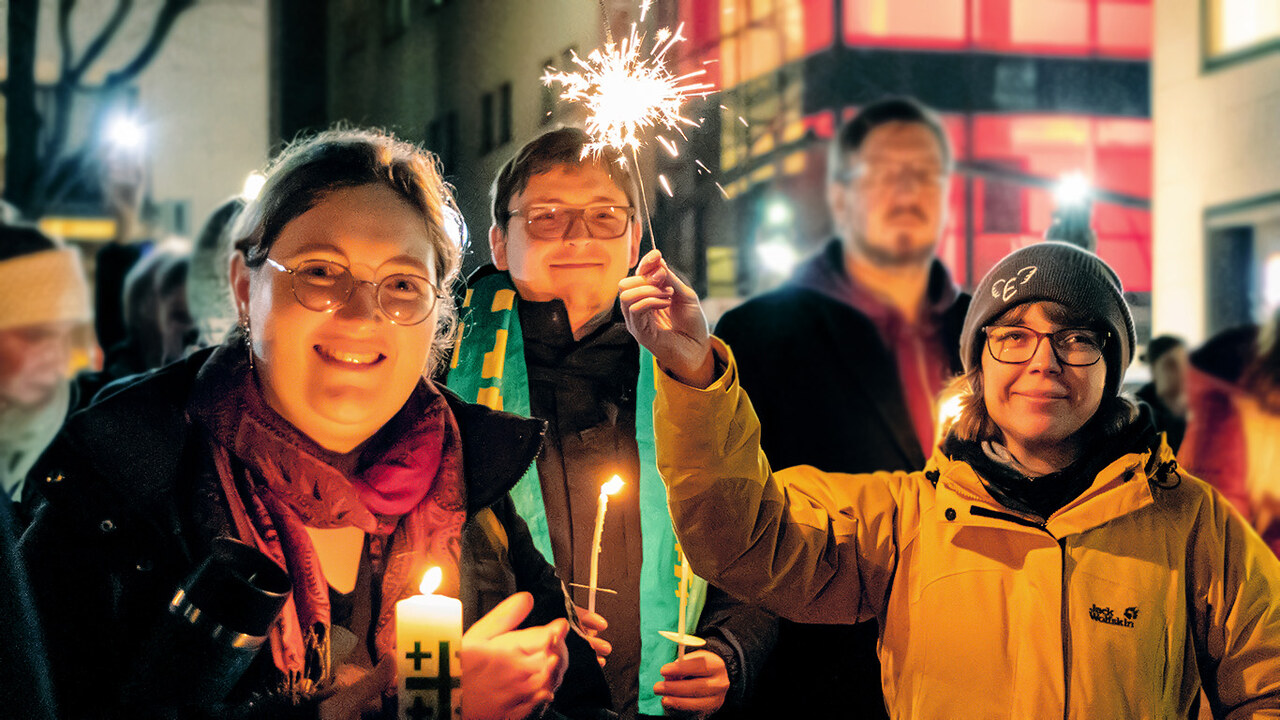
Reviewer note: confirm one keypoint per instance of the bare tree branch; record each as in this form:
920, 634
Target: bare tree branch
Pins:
165, 18
64, 33
100, 42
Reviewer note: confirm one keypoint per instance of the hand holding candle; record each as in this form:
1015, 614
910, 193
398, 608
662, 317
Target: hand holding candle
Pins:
609, 488
681, 637
428, 638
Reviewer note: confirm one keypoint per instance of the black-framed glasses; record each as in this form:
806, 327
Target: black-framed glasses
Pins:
552, 222
1015, 344
323, 286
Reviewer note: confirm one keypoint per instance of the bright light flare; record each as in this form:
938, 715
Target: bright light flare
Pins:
431, 580
627, 90
126, 133
612, 487
253, 183
1073, 190
778, 213
777, 255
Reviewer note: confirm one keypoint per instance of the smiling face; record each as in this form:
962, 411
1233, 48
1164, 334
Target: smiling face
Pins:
580, 270
1041, 405
339, 375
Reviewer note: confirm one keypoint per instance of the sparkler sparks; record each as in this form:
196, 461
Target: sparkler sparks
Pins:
627, 91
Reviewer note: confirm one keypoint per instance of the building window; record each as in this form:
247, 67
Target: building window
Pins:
1236, 29
549, 95
442, 139
488, 136
495, 118
395, 18
504, 114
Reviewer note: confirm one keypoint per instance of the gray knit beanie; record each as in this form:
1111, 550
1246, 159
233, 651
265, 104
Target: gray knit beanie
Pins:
1055, 272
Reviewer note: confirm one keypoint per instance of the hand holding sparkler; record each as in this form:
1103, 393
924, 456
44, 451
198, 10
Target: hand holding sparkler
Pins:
664, 315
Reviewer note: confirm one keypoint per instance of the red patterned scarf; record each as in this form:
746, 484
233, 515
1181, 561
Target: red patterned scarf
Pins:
407, 493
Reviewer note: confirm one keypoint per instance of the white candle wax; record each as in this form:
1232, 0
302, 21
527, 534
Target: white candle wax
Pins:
428, 637
609, 488
684, 602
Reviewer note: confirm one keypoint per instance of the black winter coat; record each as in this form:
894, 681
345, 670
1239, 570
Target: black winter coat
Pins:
827, 392
124, 525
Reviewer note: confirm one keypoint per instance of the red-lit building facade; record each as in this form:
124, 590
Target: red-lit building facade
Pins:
1030, 90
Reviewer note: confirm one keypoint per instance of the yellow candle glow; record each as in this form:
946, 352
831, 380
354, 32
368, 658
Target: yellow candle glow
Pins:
428, 637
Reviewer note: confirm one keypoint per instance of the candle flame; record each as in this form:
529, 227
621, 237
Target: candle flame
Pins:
612, 487
431, 580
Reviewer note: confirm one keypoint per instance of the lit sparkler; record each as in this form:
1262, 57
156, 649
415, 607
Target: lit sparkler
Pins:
627, 91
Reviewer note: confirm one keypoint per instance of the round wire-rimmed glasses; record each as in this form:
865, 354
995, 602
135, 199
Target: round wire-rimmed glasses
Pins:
323, 286
1016, 344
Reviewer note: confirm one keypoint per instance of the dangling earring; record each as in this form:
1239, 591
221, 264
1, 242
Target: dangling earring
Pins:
248, 338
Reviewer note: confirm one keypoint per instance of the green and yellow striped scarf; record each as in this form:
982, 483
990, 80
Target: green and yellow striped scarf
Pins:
488, 368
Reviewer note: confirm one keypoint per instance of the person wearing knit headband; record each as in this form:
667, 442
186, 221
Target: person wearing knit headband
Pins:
43, 298
1052, 559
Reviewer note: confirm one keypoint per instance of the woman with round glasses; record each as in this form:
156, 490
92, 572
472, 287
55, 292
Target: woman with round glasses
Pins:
311, 435
1051, 561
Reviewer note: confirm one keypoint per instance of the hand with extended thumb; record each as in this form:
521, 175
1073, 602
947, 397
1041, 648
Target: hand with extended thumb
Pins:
509, 674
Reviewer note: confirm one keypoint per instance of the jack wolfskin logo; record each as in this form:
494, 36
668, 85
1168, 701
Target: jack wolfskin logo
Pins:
1107, 616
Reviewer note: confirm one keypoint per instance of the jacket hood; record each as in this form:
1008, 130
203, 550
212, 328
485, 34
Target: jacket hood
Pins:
824, 273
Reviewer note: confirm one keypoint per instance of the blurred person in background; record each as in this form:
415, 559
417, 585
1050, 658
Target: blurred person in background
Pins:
43, 300
208, 284
311, 435
1233, 430
1167, 392
865, 333
157, 322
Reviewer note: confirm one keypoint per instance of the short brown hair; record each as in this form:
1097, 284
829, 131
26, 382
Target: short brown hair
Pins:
565, 146
882, 112
309, 169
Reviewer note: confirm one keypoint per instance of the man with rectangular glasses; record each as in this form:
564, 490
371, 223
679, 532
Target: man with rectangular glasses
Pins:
542, 335
844, 363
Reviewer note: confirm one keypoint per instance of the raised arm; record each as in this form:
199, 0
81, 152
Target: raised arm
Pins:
808, 545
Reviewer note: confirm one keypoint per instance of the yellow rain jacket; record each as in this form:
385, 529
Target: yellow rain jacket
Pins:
1117, 606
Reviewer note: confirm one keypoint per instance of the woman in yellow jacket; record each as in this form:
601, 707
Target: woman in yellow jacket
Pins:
1050, 561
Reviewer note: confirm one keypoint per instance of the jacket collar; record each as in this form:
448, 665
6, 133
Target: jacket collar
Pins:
1121, 488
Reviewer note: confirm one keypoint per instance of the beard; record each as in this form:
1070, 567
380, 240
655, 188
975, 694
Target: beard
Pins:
902, 252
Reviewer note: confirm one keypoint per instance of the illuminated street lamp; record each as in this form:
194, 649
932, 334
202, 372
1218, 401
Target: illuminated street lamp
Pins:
777, 256
1073, 213
124, 132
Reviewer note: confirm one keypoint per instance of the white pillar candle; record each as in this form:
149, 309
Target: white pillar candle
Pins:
428, 637
609, 488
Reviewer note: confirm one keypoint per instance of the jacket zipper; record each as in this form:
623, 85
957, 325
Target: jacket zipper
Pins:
1066, 636
1062, 616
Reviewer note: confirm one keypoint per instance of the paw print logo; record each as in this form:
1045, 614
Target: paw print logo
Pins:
1131, 613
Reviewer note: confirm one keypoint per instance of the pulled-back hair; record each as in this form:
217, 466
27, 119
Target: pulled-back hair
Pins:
309, 169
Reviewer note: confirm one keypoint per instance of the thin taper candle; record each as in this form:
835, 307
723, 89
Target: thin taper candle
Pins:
684, 602
609, 488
